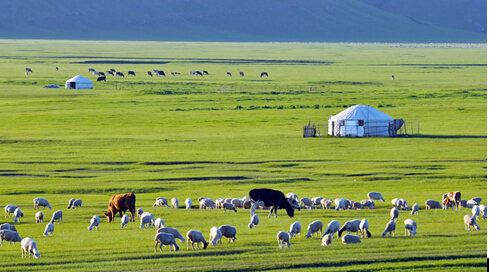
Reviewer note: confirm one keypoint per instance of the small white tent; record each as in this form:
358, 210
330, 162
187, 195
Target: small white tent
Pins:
362, 121
79, 82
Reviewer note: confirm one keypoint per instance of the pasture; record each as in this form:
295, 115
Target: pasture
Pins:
219, 136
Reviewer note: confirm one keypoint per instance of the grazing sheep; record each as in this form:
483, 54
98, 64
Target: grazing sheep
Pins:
476, 211
327, 240
73, 203
39, 217
390, 228
166, 239
29, 246
333, 226
314, 227
94, 223
70, 202
364, 228
295, 228
57, 215
174, 203
159, 223
397, 203
254, 221
237, 203
483, 210
477, 200
49, 229
17, 215
7, 226
357, 205
350, 226
219, 203
282, 238
470, 223
228, 232
196, 236
188, 203
370, 204
471, 203
307, 203
228, 206
375, 196
395, 214
140, 212
433, 204
410, 227
415, 209
161, 202
147, 219
207, 203
39, 201
10, 236
173, 232
215, 236
316, 201
256, 204
124, 220
293, 197
247, 204
10, 209
326, 203
349, 204
228, 200
350, 239
340, 204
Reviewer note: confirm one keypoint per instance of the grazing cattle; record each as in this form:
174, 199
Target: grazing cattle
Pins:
131, 73
110, 73
95, 73
263, 74
120, 203
119, 74
193, 72
150, 74
57, 68
229, 74
198, 73
91, 70
272, 198
205, 72
160, 73
101, 73
101, 78
452, 198
112, 70
241, 73
392, 77
172, 74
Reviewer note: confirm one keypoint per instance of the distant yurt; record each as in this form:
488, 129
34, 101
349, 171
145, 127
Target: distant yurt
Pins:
79, 82
363, 121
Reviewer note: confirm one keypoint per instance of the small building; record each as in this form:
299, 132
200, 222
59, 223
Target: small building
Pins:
363, 121
79, 82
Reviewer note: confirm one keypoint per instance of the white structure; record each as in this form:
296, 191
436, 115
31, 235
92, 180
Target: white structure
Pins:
79, 82
363, 121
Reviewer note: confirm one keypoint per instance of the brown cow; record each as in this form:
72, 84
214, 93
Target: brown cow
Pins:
452, 198
121, 203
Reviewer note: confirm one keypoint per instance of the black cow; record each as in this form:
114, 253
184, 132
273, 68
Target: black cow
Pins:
198, 73
119, 74
102, 78
101, 73
263, 74
160, 73
150, 74
229, 74
205, 72
131, 73
112, 70
110, 73
241, 73
91, 70
274, 199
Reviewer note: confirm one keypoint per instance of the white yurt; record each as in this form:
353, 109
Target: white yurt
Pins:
363, 121
79, 82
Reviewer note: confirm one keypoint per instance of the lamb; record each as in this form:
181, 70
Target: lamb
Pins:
159, 223
10, 236
49, 229
433, 204
340, 204
470, 223
316, 201
74, 203
314, 227
17, 215
282, 238
196, 236
39, 217
483, 210
166, 239
327, 240
7, 226
370, 204
124, 220
326, 203
254, 221
307, 203
147, 219
160, 202
390, 228
476, 211
215, 236
57, 215
188, 203
174, 203
173, 232
375, 196
228, 206
333, 226
364, 228
295, 228
415, 209
350, 239
10, 209
94, 223
39, 201
228, 232
29, 246
350, 226
394, 214
410, 227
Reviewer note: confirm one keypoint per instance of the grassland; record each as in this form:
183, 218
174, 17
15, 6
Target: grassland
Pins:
219, 136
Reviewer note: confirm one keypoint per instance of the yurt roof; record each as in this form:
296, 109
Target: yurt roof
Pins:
80, 79
361, 112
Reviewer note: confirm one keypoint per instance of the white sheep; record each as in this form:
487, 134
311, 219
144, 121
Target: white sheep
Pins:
247, 204
349, 204
219, 203
10, 236
166, 239
237, 203
477, 200
7, 226
394, 214
159, 223
415, 209
94, 223
228, 232
70, 202
476, 211
357, 205
174, 203
314, 227
333, 226
326, 203
283, 238
76, 203
10, 209
228, 206
57, 215
207, 203
215, 236
316, 201
255, 205
124, 220
350, 226
49, 229
228, 200
340, 204
17, 215
173, 232
364, 228
139, 212
39, 201
147, 219
390, 228
404, 204
195, 236
254, 221
39, 217
160, 202
410, 227
350, 239
397, 203
483, 210
29, 246
327, 240
433, 204
471, 203
293, 197
295, 228
370, 204
188, 203
470, 223
307, 203
375, 196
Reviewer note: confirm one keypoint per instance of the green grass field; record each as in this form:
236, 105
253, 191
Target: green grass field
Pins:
219, 136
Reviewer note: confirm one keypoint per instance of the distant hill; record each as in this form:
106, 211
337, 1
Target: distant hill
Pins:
436, 21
